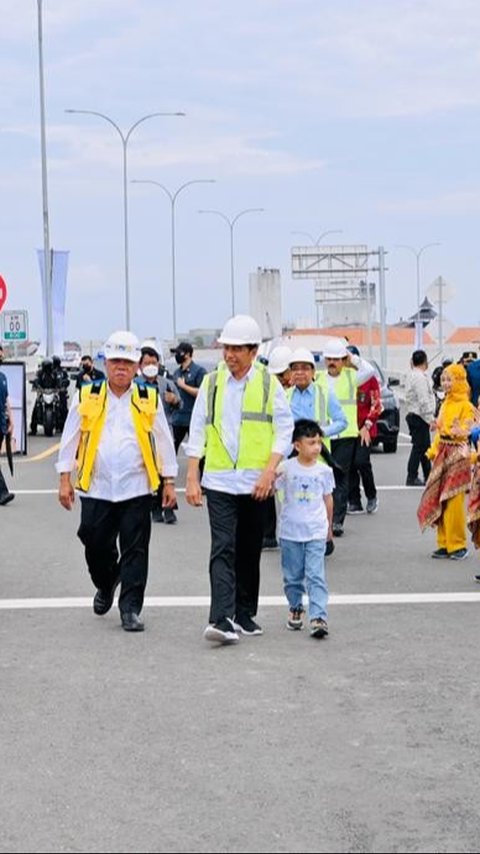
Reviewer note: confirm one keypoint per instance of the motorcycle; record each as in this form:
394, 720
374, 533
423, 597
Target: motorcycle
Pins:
46, 411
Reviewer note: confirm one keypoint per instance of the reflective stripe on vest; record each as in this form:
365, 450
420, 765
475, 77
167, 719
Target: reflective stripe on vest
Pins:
256, 426
92, 409
345, 386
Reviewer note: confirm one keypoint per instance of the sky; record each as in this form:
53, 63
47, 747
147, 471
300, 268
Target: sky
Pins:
353, 115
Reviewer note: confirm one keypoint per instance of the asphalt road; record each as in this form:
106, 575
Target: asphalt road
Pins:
158, 742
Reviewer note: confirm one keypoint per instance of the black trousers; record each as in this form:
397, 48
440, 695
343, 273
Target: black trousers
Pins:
102, 524
236, 527
343, 451
361, 470
270, 519
420, 433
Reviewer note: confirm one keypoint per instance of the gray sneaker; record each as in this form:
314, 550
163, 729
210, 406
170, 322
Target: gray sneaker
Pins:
372, 505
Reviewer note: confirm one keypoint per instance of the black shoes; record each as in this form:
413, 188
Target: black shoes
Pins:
246, 626
354, 508
157, 514
169, 516
329, 548
414, 481
103, 599
222, 632
337, 529
131, 622
6, 498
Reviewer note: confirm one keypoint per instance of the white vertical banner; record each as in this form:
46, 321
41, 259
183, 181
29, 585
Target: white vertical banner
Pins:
59, 291
418, 335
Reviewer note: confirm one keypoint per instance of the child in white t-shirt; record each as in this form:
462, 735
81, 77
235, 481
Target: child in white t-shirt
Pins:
305, 489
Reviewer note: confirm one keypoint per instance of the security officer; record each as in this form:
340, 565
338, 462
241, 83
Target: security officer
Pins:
241, 419
62, 382
117, 432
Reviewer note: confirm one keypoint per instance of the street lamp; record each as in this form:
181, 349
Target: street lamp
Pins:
124, 138
231, 224
47, 265
320, 237
173, 199
417, 253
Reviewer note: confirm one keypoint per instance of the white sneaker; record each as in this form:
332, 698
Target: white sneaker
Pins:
222, 632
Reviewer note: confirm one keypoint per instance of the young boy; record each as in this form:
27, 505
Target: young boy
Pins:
305, 489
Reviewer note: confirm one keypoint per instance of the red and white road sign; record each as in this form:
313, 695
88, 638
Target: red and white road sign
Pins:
3, 292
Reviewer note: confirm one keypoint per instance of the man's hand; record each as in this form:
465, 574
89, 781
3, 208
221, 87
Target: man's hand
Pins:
193, 491
170, 398
66, 492
365, 438
264, 485
169, 497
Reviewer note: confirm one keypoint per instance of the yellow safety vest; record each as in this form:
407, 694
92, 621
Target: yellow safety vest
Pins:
256, 426
345, 387
320, 405
92, 409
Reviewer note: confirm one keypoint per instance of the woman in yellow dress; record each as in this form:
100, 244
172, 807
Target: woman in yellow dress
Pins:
443, 501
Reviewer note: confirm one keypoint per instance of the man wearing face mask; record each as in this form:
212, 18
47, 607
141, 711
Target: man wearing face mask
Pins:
151, 372
188, 379
88, 374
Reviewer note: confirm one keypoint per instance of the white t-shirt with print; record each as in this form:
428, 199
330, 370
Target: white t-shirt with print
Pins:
301, 490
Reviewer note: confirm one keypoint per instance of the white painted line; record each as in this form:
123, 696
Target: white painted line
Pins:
405, 435
265, 601
181, 489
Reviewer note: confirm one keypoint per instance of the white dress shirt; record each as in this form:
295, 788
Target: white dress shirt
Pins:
119, 472
237, 481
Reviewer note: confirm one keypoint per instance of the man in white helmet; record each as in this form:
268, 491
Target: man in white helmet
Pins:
242, 422
346, 372
117, 437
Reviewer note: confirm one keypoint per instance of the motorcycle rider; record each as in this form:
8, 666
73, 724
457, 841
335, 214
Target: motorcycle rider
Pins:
45, 378
62, 383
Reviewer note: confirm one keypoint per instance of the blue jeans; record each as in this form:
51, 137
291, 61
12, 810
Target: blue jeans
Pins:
303, 565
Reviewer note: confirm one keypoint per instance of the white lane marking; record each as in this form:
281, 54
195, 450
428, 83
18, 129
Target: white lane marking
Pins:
181, 489
405, 435
265, 601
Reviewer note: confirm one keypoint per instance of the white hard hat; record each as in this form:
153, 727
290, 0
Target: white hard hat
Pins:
241, 329
301, 354
335, 348
153, 344
122, 345
279, 360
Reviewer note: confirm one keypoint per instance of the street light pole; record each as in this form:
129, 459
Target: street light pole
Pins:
173, 198
124, 137
47, 265
320, 237
231, 224
417, 253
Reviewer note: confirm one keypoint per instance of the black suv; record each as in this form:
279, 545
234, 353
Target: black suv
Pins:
388, 424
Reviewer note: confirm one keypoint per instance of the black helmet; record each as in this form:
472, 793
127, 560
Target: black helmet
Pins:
47, 363
56, 361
